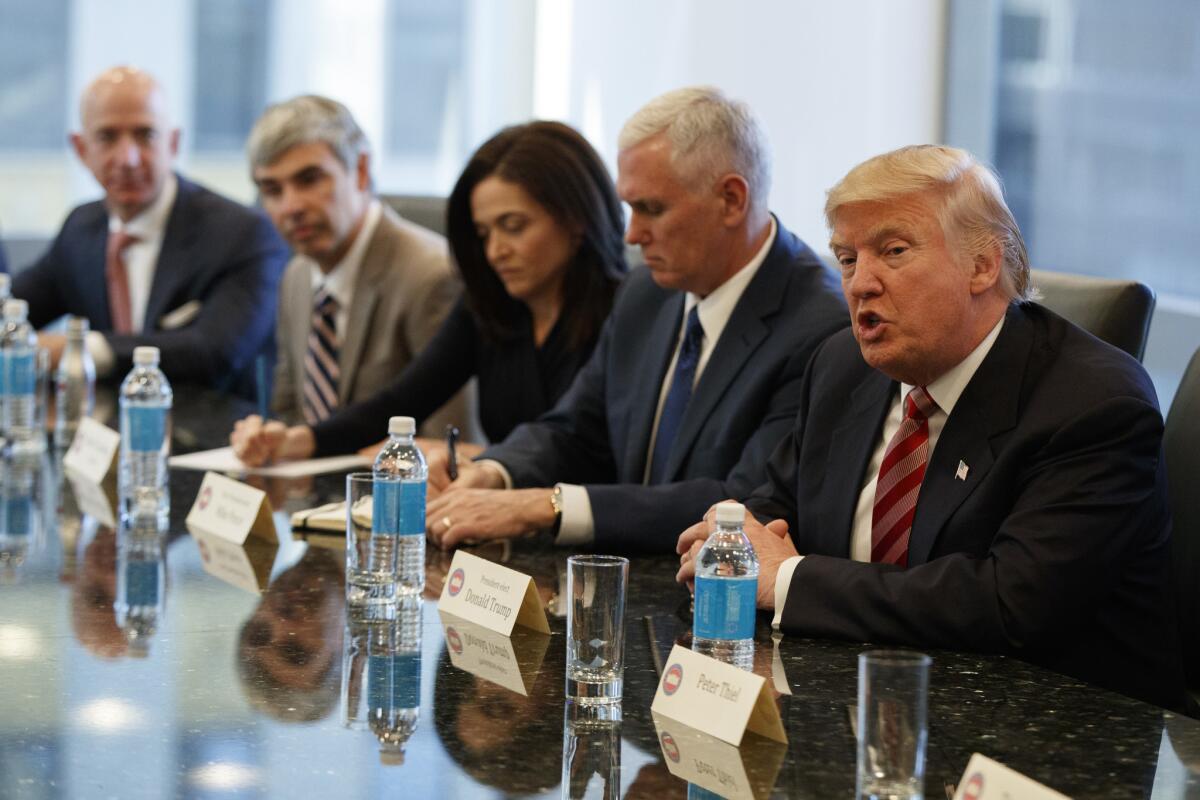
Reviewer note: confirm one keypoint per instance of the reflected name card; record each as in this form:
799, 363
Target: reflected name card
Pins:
509, 661
985, 779
716, 698
93, 451
231, 510
97, 500
490, 595
246, 566
747, 772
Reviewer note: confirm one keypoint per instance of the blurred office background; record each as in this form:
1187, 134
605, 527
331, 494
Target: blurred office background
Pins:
1088, 108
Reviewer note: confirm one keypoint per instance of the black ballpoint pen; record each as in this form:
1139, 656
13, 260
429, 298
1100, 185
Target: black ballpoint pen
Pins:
452, 452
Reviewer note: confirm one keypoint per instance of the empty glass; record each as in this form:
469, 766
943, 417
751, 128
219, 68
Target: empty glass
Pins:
596, 628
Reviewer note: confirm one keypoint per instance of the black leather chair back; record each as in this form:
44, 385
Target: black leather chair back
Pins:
1116, 311
1182, 444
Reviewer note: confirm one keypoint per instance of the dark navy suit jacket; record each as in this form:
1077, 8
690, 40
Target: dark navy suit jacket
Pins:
1053, 547
222, 255
743, 404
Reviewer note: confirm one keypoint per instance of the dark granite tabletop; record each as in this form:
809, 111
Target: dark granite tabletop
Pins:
243, 685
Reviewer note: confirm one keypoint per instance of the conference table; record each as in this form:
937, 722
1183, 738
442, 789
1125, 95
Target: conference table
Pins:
250, 679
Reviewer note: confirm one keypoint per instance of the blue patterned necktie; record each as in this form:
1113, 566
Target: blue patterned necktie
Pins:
678, 395
321, 360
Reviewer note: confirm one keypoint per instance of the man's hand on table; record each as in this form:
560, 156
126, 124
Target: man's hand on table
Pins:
771, 543
472, 515
470, 474
257, 442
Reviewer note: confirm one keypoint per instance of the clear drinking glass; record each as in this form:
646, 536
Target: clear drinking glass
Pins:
596, 628
893, 688
371, 579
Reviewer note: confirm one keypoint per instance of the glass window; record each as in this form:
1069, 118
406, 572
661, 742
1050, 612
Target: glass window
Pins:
33, 74
1098, 106
424, 74
231, 71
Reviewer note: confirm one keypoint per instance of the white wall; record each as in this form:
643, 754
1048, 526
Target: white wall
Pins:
833, 82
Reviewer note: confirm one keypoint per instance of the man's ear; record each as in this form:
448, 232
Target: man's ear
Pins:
986, 267
734, 192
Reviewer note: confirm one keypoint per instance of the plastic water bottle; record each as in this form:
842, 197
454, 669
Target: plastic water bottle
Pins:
5, 295
400, 475
145, 436
394, 680
74, 383
18, 349
726, 590
140, 578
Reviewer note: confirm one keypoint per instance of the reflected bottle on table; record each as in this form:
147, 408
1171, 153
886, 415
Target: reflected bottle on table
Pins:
381, 670
726, 591
141, 576
20, 523
5, 296
145, 436
74, 383
400, 476
18, 353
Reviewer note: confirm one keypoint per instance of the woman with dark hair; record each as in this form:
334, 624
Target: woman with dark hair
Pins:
535, 227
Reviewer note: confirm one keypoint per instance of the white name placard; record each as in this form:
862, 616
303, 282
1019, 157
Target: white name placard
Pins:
716, 698
509, 661
98, 500
490, 595
231, 510
747, 772
985, 779
246, 566
93, 451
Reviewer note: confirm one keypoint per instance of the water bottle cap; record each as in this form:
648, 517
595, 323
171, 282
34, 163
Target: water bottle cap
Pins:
730, 513
77, 325
403, 426
145, 356
16, 309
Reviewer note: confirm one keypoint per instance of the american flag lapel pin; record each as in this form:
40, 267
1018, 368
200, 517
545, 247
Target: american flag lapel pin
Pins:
961, 473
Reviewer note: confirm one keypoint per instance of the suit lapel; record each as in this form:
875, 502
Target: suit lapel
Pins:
92, 279
174, 260
743, 333
377, 260
660, 342
989, 406
850, 450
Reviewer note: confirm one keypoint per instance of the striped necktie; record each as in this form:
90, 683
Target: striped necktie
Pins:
321, 360
899, 482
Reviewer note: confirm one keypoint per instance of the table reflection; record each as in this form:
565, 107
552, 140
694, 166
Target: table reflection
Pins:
289, 649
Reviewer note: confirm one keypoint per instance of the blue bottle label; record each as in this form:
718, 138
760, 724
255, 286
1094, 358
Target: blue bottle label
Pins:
412, 508
147, 428
394, 681
20, 377
141, 583
385, 507
406, 680
18, 515
725, 607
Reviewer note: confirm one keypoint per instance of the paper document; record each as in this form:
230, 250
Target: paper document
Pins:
223, 460
332, 516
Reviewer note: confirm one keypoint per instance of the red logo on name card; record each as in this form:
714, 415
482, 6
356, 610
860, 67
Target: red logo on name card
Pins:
456, 582
205, 498
454, 640
974, 788
672, 679
669, 747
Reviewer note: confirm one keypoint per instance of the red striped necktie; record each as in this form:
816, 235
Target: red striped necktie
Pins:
899, 482
117, 278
